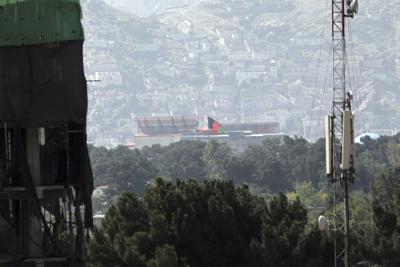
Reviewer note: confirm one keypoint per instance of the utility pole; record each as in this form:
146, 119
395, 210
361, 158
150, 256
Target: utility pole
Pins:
339, 133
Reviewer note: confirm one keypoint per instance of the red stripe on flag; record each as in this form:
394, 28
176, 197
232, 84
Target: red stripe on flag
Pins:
216, 127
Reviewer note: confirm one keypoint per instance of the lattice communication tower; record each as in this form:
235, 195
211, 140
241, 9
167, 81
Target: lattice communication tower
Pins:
339, 132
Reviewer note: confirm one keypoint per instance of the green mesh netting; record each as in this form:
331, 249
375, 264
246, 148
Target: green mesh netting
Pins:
27, 22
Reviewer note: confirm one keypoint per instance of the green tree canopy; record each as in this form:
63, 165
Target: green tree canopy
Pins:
209, 224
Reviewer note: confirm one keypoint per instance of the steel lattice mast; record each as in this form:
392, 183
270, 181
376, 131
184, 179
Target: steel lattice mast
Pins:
339, 132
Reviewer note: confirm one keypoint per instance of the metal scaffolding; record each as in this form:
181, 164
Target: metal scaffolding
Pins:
41, 222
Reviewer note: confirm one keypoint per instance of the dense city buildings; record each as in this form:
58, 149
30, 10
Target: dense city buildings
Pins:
237, 61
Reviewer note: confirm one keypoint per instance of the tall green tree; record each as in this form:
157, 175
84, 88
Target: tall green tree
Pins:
385, 244
181, 160
216, 156
125, 169
210, 224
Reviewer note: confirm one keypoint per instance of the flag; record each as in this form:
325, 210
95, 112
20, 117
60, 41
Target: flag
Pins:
215, 126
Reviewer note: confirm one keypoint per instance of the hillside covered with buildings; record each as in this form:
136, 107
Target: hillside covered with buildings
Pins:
238, 61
